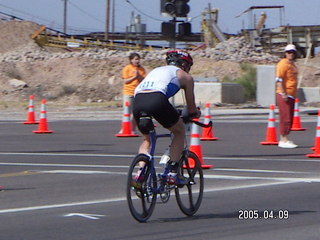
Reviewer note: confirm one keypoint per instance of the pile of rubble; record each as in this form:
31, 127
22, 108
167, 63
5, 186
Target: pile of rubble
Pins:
234, 49
237, 49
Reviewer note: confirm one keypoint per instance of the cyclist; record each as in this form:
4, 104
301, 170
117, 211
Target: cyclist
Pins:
152, 97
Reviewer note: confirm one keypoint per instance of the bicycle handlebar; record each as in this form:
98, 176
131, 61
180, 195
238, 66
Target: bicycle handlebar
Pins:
208, 125
190, 119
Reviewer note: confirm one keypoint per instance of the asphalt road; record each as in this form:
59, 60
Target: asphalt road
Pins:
71, 185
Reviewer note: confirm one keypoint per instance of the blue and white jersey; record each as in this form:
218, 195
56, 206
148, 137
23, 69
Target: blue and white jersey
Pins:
163, 79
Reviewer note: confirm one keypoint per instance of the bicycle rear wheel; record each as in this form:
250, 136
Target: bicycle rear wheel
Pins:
141, 188
189, 196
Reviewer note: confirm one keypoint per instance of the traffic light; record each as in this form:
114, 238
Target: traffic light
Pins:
184, 29
168, 29
175, 8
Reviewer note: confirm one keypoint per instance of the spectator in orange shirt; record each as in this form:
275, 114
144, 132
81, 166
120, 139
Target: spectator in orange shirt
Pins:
286, 89
132, 74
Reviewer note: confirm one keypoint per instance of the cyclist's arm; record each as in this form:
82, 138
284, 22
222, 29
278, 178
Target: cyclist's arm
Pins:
187, 84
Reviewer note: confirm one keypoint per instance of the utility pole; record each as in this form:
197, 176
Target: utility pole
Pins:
106, 35
65, 17
113, 15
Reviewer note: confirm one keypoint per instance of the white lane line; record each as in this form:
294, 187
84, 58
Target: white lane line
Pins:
132, 156
286, 179
262, 159
126, 167
67, 154
253, 170
24, 209
81, 172
85, 215
206, 176
110, 200
63, 165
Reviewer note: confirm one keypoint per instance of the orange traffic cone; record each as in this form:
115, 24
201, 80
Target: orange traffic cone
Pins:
271, 135
31, 119
316, 153
207, 133
43, 125
126, 124
196, 147
296, 124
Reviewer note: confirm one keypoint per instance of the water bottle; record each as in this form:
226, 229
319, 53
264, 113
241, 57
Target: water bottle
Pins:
164, 158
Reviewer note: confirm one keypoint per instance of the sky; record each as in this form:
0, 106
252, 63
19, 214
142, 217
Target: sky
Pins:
85, 16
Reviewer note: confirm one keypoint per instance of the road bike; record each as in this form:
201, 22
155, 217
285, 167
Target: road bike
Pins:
144, 184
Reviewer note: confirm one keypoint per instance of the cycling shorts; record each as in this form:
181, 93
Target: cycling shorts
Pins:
157, 105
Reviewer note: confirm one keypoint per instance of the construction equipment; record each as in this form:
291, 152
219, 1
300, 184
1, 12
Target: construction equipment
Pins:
211, 32
50, 38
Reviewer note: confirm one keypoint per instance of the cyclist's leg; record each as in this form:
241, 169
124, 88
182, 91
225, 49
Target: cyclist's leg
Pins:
177, 143
139, 106
176, 149
145, 146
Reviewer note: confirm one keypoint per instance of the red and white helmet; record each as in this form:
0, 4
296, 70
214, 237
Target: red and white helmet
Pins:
177, 57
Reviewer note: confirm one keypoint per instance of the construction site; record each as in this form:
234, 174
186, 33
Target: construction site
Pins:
39, 60
306, 38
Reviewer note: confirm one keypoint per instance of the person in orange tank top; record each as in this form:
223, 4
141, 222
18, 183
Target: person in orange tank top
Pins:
132, 74
286, 91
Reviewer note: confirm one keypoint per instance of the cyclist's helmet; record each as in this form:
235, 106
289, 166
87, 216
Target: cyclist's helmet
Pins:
179, 58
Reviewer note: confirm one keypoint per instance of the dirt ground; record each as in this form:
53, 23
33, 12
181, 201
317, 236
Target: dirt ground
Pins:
82, 80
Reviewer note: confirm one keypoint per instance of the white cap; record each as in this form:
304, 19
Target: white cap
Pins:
290, 47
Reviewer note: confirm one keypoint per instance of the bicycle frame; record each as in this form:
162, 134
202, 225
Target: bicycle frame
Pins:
153, 139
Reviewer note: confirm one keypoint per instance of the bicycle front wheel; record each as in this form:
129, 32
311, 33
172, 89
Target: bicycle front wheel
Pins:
189, 195
141, 188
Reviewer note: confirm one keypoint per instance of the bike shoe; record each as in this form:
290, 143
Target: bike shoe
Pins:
175, 179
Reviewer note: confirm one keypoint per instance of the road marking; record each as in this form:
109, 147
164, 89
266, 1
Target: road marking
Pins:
206, 176
253, 170
31, 172
82, 172
85, 215
24, 173
63, 165
286, 179
24, 209
110, 200
67, 154
132, 156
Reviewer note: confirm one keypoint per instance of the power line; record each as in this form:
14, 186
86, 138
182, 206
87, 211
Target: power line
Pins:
51, 23
84, 12
25, 13
128, 1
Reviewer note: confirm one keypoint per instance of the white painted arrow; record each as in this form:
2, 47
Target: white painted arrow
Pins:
85, 215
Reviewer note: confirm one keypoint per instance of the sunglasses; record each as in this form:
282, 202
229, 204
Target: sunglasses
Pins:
291, 52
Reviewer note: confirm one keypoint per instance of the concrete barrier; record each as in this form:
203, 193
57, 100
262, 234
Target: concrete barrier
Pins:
213, 92
309, 94
266, 85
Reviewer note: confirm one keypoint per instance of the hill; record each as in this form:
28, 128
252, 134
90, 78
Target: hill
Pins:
95, 75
